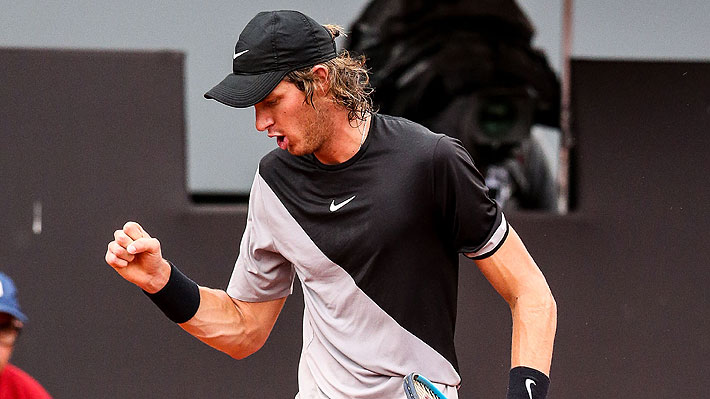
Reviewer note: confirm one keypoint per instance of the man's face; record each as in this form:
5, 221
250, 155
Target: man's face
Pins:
296, 125
9, 328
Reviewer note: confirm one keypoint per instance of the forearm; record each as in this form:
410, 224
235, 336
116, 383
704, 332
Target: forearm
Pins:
221, 324
231, 326
534, 326
235, 327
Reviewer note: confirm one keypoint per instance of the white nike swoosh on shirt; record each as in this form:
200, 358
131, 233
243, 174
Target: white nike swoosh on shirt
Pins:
239, 53
528, 384
334, 207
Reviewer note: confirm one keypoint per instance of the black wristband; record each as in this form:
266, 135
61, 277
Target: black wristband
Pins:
527, 383
179, 299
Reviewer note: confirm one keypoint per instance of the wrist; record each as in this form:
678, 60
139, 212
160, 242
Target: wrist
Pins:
179, 299
160, 279
527, 383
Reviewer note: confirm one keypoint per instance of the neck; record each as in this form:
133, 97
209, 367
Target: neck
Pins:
345, 141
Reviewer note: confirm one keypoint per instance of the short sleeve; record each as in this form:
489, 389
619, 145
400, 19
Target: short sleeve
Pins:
473, 221
260, 273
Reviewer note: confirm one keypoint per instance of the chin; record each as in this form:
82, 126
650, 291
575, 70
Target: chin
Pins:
299, 150
295, 151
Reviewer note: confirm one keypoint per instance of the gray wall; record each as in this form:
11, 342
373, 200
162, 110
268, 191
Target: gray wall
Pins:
628, 268
223, 147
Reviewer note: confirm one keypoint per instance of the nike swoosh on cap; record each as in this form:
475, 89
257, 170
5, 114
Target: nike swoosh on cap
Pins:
239, 53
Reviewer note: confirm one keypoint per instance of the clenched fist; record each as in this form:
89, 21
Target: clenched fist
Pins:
136, 256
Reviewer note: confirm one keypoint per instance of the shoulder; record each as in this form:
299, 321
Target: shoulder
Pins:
404, 133
449, 148
21, 384
397, 123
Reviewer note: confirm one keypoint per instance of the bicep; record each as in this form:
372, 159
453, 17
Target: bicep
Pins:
511, 270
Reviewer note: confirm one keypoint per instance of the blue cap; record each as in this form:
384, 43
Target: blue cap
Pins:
8, 298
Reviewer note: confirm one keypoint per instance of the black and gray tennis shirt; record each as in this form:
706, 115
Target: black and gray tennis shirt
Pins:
375, 243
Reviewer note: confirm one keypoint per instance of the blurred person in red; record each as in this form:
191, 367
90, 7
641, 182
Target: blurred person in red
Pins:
14, 383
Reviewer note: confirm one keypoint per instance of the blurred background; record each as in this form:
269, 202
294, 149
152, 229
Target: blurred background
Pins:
102, 120
223, 147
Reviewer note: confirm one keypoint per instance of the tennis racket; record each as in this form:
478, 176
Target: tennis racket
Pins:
418, 387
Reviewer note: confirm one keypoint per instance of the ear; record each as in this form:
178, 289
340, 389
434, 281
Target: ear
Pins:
321, 74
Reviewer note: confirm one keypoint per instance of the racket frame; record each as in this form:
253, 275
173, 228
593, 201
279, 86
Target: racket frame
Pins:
410, 390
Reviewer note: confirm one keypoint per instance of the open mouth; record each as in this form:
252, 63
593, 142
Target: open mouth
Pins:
282, 142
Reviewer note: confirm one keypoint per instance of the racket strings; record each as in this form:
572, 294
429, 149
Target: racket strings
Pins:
423, 391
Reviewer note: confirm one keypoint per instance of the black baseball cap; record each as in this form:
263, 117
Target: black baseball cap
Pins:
272, 44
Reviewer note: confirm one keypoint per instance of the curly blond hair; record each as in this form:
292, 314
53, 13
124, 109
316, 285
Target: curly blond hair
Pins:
349, 82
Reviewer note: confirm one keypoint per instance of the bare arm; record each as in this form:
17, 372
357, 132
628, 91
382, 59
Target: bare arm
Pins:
235, 327
232, 326
515, 276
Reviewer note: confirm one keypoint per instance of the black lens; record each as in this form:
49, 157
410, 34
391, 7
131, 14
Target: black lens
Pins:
497, 117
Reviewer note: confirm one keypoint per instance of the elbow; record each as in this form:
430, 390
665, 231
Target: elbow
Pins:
243, 352
539, 302
551, 306
240, 354
249, 343
546, 302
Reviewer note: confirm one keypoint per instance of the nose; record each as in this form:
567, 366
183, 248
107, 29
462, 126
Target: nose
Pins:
263, 118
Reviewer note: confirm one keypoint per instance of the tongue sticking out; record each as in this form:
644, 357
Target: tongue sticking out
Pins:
282, 142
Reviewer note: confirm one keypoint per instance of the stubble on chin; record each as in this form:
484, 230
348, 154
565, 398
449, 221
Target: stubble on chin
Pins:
317, 129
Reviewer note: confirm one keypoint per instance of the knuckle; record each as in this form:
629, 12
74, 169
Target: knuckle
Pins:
113, 247
119, 236
110, 258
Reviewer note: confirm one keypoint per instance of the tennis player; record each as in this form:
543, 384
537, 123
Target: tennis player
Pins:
370, 213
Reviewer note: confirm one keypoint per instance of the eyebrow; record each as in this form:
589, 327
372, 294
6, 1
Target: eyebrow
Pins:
272, 97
